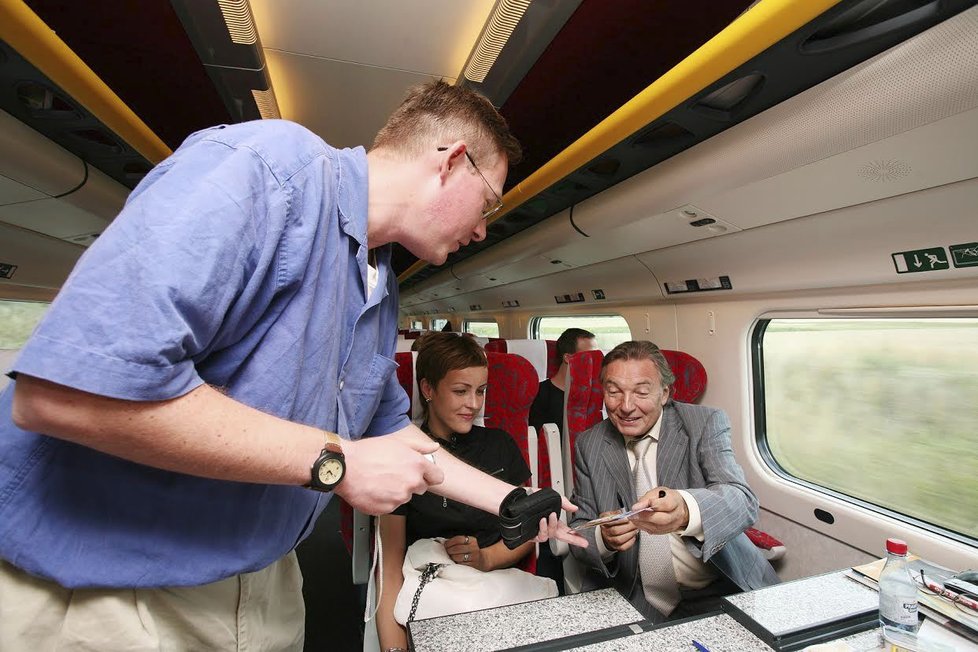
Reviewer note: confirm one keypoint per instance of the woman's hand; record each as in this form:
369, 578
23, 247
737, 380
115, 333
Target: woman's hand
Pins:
464, 549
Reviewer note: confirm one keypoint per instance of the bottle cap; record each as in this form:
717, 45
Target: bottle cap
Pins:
896, 546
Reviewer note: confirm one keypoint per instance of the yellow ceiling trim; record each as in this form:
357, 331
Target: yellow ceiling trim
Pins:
24, 31
753, 32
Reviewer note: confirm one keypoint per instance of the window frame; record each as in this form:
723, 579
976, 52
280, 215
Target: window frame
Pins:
466, 322
759, 420
533, 324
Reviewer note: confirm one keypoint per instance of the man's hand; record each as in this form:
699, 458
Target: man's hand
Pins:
618, 535
669, 512
383, 473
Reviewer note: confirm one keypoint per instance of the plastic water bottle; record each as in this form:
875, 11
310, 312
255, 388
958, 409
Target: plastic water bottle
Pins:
898, 593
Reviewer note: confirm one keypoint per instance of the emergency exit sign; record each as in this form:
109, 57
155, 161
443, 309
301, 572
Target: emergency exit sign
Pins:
920, 260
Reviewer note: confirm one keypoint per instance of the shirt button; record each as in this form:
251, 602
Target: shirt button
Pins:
341, 385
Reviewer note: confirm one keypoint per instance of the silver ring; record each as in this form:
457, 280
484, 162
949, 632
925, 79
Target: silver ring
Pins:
466, 542
430, 457
465, 557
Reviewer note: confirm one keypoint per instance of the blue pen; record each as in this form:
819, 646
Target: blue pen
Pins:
699, 646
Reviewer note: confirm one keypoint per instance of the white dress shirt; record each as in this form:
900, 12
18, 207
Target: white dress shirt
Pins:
691, 573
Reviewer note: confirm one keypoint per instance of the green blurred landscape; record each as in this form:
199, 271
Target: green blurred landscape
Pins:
19, 319
882, 410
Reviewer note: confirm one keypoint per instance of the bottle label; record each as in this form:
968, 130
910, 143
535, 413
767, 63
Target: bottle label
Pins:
899, 609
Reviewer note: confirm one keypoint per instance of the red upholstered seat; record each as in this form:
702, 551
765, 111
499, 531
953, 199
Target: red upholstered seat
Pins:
690, 375
495, 346
513, 385
770, 547
584, 398
553, 363
405, 373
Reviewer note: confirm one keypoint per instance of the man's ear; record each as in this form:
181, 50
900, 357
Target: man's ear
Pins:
452, 156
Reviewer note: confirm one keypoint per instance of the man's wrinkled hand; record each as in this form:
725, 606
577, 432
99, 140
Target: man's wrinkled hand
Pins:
618, 535
669, 514
383, 473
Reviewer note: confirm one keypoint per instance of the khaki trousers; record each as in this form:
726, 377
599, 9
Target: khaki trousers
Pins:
261, 611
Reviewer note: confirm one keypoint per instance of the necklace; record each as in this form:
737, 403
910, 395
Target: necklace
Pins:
448, 442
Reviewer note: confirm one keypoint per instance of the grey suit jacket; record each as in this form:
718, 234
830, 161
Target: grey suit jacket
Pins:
693, 454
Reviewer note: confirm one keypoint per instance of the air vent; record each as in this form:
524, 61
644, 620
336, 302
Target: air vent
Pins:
84, 239
724, 102
866, 20
99, 140
605, 168
43, 102
568, 187
666, 135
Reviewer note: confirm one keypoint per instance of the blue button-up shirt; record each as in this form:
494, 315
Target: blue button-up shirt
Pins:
241, 262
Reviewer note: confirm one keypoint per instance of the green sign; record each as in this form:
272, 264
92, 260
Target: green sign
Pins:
920, 260
964, 255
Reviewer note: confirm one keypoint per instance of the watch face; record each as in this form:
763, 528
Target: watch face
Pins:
330, 471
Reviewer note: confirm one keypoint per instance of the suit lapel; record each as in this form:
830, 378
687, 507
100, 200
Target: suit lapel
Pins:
672, 451
616, 462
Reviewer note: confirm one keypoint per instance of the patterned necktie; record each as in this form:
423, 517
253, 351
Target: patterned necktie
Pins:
654, 550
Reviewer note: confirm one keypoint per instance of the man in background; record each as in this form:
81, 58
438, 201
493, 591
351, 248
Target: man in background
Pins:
548, 406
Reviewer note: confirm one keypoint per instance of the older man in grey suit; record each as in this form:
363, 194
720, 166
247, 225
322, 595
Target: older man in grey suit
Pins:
678, 558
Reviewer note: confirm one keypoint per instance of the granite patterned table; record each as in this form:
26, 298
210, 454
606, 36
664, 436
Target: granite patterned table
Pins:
523, 624
719, 633
812, 609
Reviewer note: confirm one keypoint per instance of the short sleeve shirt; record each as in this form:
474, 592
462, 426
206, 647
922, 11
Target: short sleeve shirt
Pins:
240, 261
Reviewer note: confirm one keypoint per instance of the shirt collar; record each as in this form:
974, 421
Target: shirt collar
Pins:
652, 434
353, 192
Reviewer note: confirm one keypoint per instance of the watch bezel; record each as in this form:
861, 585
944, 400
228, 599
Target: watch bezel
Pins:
331, 451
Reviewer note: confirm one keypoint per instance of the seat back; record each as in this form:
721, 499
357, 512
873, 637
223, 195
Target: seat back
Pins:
583, 404
495, 346
542, 354
405, 376
513, 385
690, 383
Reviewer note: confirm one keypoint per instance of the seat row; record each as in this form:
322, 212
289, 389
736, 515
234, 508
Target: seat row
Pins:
516, 367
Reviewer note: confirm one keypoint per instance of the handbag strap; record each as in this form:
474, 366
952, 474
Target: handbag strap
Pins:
428, 574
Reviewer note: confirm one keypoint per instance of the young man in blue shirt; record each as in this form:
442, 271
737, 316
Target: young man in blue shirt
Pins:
203, 356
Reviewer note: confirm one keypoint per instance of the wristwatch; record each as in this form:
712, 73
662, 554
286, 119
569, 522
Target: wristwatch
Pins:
328, 469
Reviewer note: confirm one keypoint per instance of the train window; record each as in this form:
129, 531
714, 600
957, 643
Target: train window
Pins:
609, 330
417, 325
17, 322
879, 410
481, 328
440, 324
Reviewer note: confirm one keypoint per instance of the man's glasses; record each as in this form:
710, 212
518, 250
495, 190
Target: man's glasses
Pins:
931, 587
489, 211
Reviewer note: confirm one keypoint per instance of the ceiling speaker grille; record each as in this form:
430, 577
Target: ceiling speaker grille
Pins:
883, 171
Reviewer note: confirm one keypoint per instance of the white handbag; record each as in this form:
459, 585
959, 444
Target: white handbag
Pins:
457, 588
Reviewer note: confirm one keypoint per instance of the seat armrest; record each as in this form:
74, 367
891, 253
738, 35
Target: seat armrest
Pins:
533, 452
552, 436
361, 547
